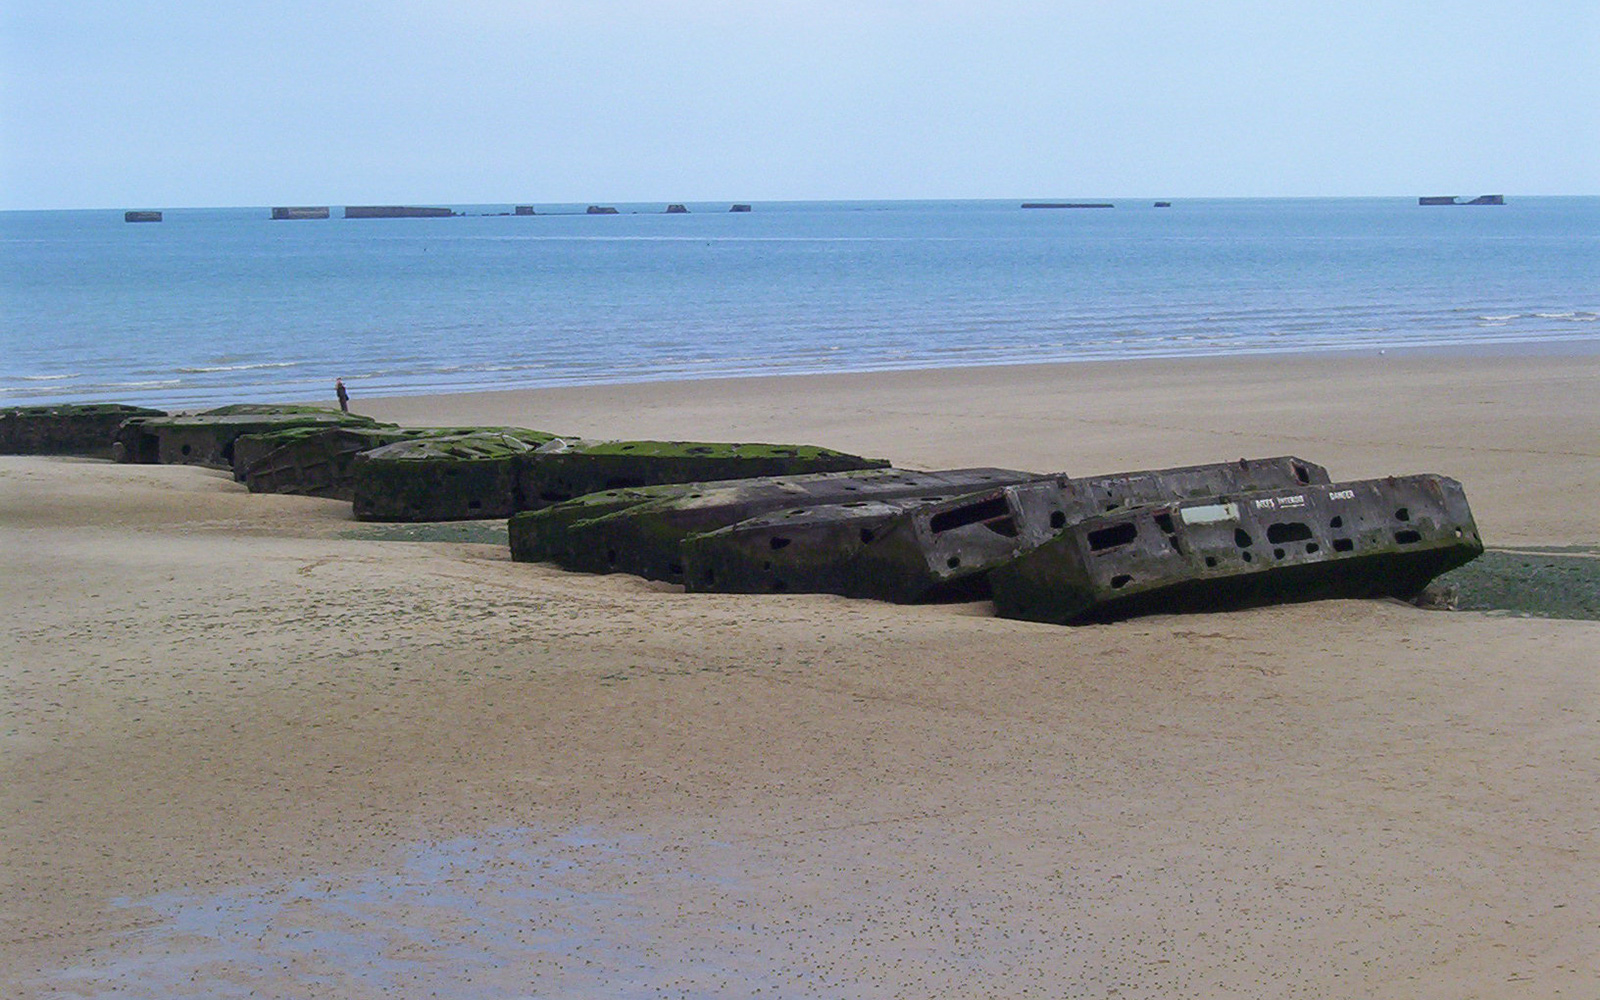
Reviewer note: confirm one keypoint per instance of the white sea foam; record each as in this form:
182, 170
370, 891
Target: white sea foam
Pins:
206, 369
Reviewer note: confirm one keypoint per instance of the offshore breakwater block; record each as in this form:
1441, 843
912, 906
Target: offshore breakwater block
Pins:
449, 478
208, 438
87, 429
645, 538
568, 468
943, 549
1372, 538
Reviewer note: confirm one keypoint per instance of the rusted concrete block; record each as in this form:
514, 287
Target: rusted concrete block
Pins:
943, 549
448, 478
644, 538
87, 429
569, 468
208, 438
1373, 538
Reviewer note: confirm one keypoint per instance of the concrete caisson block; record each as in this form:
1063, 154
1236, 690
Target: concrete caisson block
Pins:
1371, 538
87, 429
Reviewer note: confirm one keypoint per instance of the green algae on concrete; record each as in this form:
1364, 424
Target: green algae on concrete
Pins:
319, 460
536, 535
208, 438
274, 410
571, 468
308, 461
87, 429
452, 477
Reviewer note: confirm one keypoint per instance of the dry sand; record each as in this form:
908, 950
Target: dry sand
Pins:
243, 755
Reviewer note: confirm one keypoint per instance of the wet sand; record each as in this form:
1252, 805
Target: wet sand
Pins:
245, 752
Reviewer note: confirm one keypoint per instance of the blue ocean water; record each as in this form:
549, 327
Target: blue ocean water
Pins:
226, 305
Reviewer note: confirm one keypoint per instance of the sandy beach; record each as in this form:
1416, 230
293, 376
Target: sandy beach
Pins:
246, 753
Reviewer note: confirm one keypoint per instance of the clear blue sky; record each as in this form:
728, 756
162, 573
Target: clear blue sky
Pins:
240, 102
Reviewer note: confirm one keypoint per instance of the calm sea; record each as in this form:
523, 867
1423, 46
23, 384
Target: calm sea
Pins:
226, 305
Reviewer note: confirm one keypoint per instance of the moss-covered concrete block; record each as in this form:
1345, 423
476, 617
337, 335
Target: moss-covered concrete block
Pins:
537, 535
444, 478
318, 460
568, 468
308, 461
208, 438
87, 429
280, 410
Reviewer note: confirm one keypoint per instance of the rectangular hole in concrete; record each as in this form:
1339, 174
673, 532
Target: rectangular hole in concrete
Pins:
960, 517
1111, 537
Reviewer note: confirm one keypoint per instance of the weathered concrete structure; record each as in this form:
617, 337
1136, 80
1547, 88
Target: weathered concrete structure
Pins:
395, 212
300, 212
320, 461
813, 550
444, 478
87, 429
208, 438
139, 216
623, 533
1482, 199
923, 551
567, 467
309, 461
1373, 538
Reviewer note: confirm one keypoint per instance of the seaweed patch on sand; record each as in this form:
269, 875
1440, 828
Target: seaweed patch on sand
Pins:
490, 532
1536, 582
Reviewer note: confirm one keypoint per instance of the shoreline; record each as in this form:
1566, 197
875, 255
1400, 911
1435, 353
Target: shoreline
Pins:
1573, 347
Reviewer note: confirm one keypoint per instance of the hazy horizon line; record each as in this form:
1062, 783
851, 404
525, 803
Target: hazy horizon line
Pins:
442, 203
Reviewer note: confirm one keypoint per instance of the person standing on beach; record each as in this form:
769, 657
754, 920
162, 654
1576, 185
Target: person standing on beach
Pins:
343, 394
